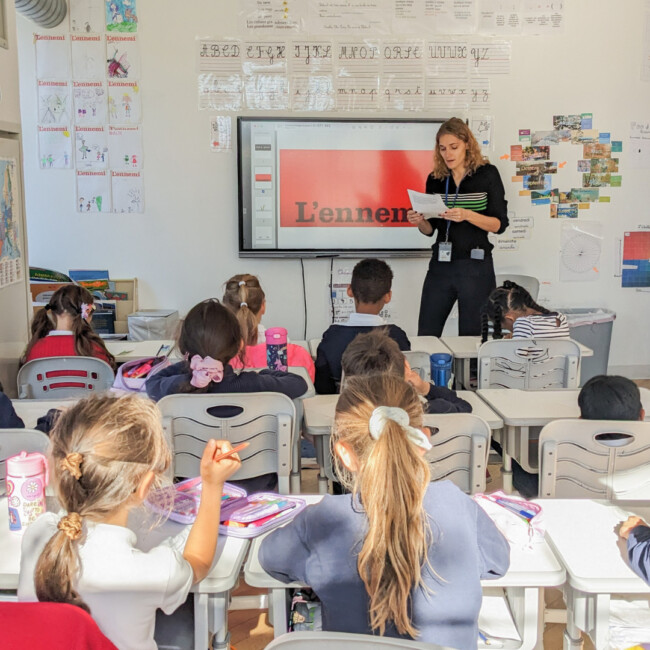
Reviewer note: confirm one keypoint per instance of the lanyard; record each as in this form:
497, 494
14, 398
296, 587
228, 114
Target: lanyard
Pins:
455, 201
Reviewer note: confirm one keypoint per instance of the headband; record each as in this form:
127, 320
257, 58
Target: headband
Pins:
205, 370
382, 414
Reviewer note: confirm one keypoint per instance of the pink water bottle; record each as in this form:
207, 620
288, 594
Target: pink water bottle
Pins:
276, 348
27, 476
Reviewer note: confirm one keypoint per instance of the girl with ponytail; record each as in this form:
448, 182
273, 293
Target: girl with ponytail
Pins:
62, 328
245, 297
398, 556
106, 453
511, 307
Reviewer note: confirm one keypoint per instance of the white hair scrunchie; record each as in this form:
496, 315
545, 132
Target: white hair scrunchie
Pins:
382, 414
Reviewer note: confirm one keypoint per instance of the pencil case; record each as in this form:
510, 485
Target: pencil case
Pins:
129, 380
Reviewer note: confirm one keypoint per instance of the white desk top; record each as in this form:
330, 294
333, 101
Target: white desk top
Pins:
536, 568
319, 412
428, 344
222, 577
466, 347
581, 532
124, 351
29, 410
539, 407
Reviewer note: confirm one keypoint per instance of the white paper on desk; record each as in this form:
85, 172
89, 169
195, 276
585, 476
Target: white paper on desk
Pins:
629, 622
430, 205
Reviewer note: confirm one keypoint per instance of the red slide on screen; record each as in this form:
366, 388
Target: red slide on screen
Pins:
349, 189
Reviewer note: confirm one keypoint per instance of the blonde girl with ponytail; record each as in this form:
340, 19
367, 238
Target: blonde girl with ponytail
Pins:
398, 556
106, 453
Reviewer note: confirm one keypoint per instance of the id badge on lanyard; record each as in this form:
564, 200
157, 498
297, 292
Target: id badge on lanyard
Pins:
444, 248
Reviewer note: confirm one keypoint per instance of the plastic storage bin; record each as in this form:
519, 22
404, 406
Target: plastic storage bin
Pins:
153, 324
592, 326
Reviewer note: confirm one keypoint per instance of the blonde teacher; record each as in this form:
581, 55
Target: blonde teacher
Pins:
461, 265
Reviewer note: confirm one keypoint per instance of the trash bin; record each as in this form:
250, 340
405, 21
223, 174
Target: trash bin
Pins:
592, 326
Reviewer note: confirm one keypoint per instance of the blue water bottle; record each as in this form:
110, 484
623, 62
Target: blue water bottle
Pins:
441, 369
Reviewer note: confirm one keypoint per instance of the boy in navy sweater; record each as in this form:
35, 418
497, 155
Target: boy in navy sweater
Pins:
8, 417
371, 289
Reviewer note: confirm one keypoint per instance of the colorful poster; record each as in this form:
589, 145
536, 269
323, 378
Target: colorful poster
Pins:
122, 56
87, 56
89, 102
124, 104
10, 238
54, 147
125, 147
86, 16
91, 147
636, 259
54, 102
52, 56
121, 16
127, 191
93, 191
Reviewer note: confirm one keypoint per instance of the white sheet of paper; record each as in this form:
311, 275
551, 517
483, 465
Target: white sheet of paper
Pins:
430, 205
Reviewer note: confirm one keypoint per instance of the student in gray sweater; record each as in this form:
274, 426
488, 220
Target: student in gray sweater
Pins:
399, 556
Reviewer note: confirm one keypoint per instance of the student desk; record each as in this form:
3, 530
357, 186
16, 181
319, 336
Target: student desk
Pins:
582, 534
124, 351
530, 572
319, 418
211, 595
29, 410
428, 344
521, 409
465, 348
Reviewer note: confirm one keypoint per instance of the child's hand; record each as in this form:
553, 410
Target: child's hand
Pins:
215, 473
413, 378
628, 525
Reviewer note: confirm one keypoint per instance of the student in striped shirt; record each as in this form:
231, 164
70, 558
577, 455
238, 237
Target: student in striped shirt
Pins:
511, 307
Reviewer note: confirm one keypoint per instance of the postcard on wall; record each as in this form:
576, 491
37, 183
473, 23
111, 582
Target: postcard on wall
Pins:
86, 16
482, 130
124, 103
122, 56
121, 16
350, 17
11, 269
127, 191
89, 102
220, 133
639, 145
500, 18
125, 147
54, 147
54, 102
93, 191
52, 56
91, 147
87, 56
267, 16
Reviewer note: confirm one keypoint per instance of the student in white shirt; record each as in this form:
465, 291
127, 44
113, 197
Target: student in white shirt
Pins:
511, 307
106, 454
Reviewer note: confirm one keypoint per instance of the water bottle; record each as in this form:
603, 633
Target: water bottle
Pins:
27, 476
441, 369
276, 348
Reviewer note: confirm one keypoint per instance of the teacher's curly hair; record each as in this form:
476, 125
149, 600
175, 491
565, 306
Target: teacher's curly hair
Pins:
474, 158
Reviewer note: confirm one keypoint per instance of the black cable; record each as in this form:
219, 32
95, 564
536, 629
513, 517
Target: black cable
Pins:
304, 295
332, 287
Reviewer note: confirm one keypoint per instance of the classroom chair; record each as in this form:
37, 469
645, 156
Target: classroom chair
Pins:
529, 364
55, 377
528, 282
420, 362
13, 441
581, 459
341, 640
265, 420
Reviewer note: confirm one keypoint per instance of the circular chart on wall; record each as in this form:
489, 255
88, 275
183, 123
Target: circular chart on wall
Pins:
580, 252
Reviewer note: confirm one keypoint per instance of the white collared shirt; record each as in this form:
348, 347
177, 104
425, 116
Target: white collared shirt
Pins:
364, 320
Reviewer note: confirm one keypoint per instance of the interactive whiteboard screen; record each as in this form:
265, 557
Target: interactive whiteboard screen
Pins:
331, 187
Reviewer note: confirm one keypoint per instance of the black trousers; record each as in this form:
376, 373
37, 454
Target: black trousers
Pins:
468, 281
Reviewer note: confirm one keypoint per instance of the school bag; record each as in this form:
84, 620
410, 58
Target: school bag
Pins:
129, 379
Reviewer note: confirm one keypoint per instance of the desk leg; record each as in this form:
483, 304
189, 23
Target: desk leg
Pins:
506, 458
599, 623
219, 620
278, 611
572, 634
201, 625
322, 449
296, 463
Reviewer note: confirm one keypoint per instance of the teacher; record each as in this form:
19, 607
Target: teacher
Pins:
461, 265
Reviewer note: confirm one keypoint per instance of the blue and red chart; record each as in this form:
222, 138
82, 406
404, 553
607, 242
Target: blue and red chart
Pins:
636, 259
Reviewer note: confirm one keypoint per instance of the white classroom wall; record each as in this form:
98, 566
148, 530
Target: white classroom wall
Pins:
185, 244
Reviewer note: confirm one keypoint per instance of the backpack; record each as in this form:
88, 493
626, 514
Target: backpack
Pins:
136, 384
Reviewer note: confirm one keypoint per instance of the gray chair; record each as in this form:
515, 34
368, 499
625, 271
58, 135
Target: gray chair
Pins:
13, 441
528, 282
342, 641
265, 420
420, 362
581, 459
55, 377
529, 364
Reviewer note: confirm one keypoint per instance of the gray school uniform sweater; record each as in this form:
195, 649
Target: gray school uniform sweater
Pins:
320, 548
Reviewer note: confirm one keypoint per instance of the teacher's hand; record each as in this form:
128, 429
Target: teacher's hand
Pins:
415, 218
455, 214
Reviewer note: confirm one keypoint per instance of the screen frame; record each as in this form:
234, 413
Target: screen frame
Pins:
320, 252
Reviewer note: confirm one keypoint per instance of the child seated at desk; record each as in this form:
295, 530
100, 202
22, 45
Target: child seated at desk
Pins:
371, 289
376, 353
62, 328
8, 417
244, 296
106, 454
400, 556
511, 307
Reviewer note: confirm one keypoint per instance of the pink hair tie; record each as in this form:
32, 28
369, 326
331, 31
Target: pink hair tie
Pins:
205, 370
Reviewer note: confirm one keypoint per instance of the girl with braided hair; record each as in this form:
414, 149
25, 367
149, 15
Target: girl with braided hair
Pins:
106, 453
511, 307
